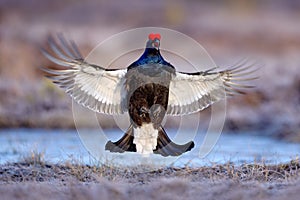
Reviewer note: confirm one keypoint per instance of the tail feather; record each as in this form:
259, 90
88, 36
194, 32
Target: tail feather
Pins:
123, 144
166, 147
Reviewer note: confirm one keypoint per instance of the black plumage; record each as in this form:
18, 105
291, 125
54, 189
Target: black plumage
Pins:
148, 89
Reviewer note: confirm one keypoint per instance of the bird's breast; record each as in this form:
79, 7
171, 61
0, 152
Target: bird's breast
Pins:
147, 94
149, 73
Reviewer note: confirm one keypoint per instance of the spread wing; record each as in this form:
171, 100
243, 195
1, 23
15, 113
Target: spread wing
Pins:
99, 89
192, 92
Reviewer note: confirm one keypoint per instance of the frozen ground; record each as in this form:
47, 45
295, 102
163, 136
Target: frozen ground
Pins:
69, 172
60, 146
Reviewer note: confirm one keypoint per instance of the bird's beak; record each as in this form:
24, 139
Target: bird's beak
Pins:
156, 43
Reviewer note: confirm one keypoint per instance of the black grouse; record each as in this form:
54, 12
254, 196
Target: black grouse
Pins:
148, 89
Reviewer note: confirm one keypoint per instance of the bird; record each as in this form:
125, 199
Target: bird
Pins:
147, 90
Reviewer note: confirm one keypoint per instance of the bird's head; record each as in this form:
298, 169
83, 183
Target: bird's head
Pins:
153, 40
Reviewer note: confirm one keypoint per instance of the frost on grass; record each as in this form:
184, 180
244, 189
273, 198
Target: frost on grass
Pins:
31, 180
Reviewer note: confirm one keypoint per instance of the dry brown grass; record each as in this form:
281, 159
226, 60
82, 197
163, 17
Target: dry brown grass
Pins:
34, 169
35, 179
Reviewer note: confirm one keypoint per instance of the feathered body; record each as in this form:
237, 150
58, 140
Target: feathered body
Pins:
147, 84
148, 89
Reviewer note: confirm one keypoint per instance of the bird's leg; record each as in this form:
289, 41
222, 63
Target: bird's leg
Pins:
157, 113
143, 111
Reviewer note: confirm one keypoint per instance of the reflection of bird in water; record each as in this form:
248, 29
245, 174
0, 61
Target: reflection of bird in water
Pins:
148, 89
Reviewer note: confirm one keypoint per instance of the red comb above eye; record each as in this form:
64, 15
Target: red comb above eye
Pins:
153, 36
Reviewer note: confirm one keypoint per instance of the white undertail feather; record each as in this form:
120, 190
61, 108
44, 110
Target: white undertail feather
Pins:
145, 138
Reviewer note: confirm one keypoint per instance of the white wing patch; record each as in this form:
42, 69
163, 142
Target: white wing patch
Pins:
192, 93
100, 90
90, 85
189, 93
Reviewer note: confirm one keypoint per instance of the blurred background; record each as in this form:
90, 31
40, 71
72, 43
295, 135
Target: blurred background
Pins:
229, 30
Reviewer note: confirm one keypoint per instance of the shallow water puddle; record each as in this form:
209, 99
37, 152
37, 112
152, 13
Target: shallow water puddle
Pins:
58, 146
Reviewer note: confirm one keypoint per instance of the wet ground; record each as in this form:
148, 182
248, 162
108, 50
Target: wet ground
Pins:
60, 146
55, 165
